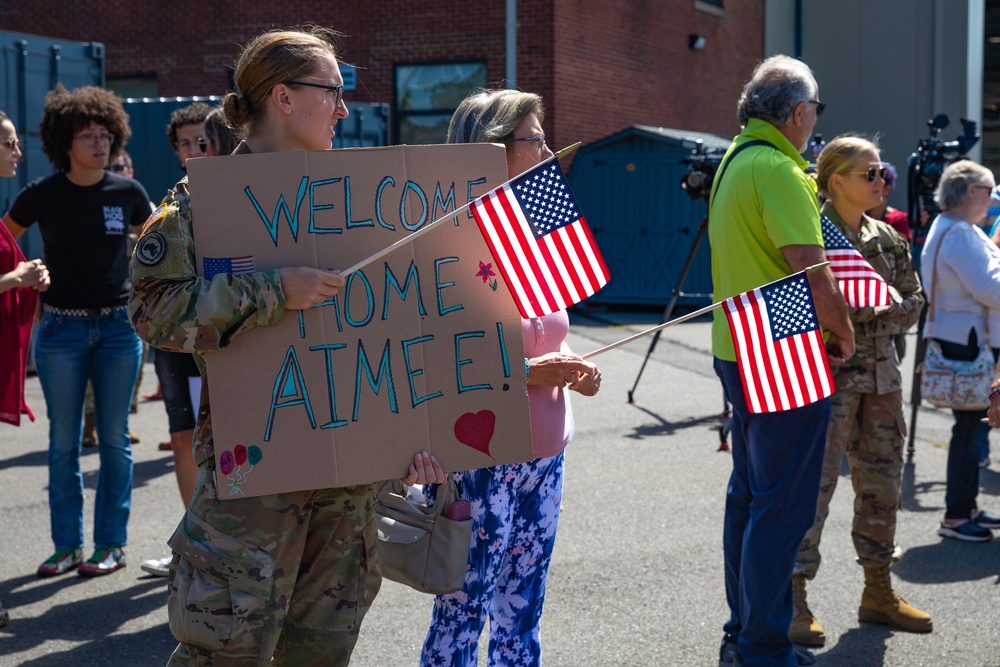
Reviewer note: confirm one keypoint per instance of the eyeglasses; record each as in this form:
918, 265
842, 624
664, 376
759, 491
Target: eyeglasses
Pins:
92, 139
872, 173
189, 145
539, 138
339, 90
117, 168
820, 106
12, 144
203, 145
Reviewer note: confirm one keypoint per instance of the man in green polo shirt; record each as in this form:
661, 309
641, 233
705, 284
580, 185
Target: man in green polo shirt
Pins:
764, 225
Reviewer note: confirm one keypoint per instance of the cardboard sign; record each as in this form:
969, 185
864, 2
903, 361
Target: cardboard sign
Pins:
420, 350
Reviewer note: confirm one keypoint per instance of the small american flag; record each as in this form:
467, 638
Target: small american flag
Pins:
779, 347
214, 265
540, 241
862, 286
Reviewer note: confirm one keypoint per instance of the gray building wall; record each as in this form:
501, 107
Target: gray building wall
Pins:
887, 66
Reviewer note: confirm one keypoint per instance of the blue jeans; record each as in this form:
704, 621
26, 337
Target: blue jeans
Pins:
770, 504
970, 441
68, 350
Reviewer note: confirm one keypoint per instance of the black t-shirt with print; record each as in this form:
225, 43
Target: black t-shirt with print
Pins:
84, 234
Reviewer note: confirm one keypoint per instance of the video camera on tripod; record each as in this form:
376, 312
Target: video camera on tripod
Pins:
702, 164
926, 164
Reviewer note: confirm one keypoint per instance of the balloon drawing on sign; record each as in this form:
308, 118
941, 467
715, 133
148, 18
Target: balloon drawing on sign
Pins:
226, 462
238, 457
476, 430
254, 455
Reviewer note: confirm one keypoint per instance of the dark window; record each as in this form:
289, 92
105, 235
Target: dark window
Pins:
134, 86
427, 95
713, 7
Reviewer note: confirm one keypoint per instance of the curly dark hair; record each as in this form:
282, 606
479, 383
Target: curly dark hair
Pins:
193, 114
66, 113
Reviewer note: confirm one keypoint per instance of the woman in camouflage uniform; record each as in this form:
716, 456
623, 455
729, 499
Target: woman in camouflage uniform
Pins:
290, 575
867, 420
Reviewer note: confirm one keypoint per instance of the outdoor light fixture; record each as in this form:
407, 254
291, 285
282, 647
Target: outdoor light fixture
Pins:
696, 42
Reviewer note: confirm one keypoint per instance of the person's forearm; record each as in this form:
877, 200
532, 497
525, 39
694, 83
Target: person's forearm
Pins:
9, 281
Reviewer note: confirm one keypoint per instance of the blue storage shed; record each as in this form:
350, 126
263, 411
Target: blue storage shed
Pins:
628, 188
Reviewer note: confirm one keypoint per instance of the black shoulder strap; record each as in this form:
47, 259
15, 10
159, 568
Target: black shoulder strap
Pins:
722, 169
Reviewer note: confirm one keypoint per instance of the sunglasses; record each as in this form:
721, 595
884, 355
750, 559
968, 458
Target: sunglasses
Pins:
820, 107
118, 167
872, 173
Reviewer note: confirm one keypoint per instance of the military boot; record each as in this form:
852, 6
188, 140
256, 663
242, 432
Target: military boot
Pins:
805, 629
881, 604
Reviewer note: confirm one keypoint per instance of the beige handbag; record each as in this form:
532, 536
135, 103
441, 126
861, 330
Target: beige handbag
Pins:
418, 545
953, 384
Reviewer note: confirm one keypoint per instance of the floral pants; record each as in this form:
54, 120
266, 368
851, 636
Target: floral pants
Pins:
515, 510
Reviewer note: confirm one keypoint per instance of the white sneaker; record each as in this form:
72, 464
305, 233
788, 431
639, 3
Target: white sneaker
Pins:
157, 567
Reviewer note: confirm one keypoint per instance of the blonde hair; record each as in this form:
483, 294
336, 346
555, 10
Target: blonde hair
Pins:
838, 156
272, 58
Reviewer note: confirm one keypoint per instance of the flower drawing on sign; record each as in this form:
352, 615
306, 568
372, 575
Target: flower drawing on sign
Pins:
486, 272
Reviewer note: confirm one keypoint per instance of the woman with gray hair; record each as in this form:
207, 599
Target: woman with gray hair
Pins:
960, 268
514, 508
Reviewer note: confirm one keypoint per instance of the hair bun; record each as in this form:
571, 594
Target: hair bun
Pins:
236, 108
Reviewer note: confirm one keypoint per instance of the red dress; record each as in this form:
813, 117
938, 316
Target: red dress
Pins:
17, 313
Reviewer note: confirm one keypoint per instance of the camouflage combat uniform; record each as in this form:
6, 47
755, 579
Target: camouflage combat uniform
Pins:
288, 575
867, 420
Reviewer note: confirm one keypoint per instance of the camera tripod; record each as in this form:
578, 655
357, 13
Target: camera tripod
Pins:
725, 426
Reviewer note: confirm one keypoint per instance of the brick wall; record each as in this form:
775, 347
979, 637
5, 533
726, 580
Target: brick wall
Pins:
601, 65
624, 63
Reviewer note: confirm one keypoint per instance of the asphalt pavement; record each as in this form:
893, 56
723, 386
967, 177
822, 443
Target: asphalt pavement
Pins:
636, 578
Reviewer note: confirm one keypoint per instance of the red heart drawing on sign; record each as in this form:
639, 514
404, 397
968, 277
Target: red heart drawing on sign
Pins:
476, 430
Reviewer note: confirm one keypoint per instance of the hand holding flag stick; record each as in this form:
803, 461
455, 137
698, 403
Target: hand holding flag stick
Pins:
426, 228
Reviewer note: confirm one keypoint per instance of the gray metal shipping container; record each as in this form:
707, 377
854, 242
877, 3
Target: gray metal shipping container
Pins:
158, 169
31, 66
628, 187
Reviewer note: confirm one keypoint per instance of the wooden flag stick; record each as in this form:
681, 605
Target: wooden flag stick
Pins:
685, 318
454, 214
